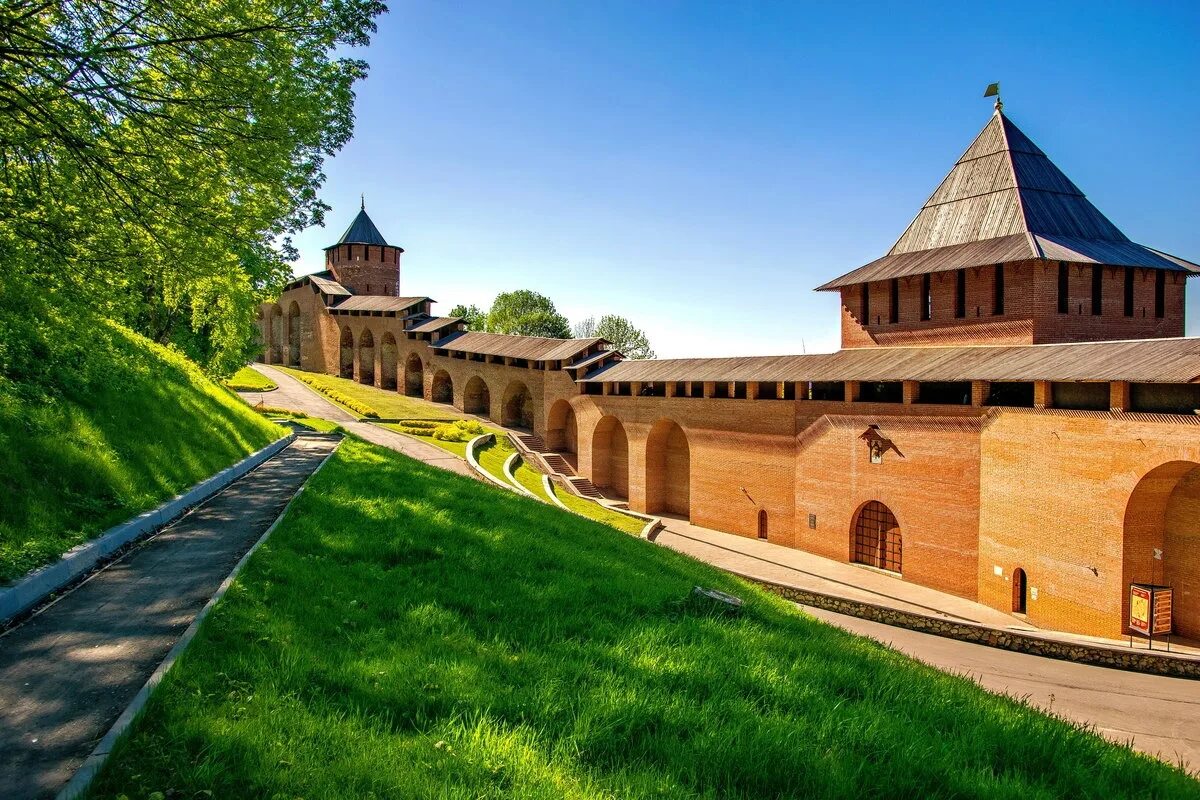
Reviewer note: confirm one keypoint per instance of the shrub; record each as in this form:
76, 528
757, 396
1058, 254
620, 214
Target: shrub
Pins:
461, 431
357, 406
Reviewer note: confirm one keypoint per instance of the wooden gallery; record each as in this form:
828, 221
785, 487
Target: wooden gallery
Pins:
1012, 418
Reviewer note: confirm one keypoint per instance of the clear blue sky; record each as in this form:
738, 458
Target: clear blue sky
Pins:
699, 168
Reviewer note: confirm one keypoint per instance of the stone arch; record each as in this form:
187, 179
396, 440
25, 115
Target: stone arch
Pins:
763, 523
414, 376
346, 354
562, 431
1020, 590
276, 334
476, 397
366, 357
517, 409
610, 456
387, 362
443, 387
668, 469
293, 334
875, 537
1161, 514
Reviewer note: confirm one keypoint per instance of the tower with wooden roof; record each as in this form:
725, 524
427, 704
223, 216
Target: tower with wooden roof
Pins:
1008, 250
363, 261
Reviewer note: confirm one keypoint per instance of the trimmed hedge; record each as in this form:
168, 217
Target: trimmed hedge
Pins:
357, 406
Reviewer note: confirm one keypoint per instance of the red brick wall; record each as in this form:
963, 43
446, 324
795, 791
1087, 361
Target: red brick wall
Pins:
366, 269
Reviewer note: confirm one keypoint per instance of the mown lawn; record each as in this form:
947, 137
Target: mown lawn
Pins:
457, 448
622, 522
411, 633
389, 405
250, 380
120, 425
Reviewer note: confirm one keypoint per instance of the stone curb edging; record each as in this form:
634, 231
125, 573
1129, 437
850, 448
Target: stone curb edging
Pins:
652, 523
1016, 641
509, 470
35, 587
548, 488
473, 462
82, 779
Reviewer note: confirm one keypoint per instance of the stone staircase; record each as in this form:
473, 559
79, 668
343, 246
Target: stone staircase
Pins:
583, 486
556, 465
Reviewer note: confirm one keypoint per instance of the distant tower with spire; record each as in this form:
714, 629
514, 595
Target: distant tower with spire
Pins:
362, 260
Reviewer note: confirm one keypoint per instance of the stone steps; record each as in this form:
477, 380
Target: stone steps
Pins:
586, 488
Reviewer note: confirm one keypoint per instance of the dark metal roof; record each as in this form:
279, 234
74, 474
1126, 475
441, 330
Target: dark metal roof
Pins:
372, 302
1137, 361
329, 287
534, 348
361, 231
434, 324
1004, 200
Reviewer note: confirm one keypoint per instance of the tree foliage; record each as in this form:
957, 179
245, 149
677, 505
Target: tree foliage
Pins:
155, 157
527, 313
473, 315
621, 332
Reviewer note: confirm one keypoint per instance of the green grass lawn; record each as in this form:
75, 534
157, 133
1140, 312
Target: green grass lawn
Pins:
457, 448
492, 455
411, 633
622, 522
531, 479
131, 426
389, 405
250, 380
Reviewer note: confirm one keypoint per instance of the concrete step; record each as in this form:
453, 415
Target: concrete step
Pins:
558, 464
533, 442
586, 488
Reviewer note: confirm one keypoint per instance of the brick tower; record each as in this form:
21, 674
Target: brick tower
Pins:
363, 261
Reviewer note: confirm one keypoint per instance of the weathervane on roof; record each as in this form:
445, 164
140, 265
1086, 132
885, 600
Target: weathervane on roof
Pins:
993, 90
362, 202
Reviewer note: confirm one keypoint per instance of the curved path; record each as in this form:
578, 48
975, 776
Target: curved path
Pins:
297, 396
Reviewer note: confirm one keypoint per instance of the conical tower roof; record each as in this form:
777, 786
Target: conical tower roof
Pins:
1005, 200
361, 231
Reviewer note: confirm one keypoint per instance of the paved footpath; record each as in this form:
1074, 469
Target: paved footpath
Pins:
296, 396
69, 672
1160, 715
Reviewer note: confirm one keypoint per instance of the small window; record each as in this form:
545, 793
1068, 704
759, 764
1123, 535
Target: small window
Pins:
894, 305
1064, 283
865, 319
762, 524
998, 291
960, 294
1160, 293
1129, 272
1097, 290
926, 299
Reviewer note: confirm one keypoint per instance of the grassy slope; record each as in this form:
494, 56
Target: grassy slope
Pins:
76, 463
250, 380
389, 405
411, 633
622, 522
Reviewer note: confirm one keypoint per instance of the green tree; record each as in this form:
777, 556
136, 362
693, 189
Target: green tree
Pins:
621, 332
527, 313
155, 158
473, 315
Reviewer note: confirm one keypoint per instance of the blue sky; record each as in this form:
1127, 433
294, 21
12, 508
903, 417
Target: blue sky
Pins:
699, 168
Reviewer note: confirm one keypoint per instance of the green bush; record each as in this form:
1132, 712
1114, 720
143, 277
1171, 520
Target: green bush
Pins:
358, 407
461, 431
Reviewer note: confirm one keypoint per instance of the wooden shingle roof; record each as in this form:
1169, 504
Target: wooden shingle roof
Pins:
533, 348
1004, 200
371, 302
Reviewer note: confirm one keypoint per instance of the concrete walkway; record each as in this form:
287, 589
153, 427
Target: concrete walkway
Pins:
297, 396
69, 672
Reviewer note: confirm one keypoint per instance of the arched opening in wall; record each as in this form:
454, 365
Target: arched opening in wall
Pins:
414, 376
1020, 591
562, 432
762, 523
476, 397
293, 334
517, 410
443, 387
276, 334
387, 362
366, 357
610, 457
668, 470
875, 538
1161, 518
346, 354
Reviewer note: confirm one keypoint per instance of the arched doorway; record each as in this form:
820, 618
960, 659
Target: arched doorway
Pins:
610, 457
668, 469
443, 387
517, 409
414, 376
1162, 515
387, 362
762, 524
366, 358
562, 432
346, 354
276, 334
1020, 591
476, 397
293, 334
875, 538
